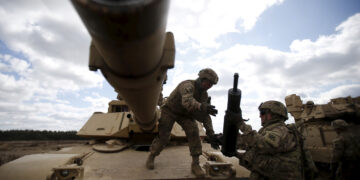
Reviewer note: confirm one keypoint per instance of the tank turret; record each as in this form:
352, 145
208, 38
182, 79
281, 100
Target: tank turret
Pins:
118, 122
346, 108
314, 122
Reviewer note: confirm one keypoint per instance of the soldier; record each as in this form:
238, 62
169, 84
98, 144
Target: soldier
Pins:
274, 151
161, 97
187, 102
346, 152
309, 107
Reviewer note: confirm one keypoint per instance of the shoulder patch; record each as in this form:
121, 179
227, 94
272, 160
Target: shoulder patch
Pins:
188, 90
271, 137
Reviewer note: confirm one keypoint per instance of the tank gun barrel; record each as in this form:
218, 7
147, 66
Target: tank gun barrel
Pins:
131, 48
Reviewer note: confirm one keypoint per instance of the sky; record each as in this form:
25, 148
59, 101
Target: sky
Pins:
278, 47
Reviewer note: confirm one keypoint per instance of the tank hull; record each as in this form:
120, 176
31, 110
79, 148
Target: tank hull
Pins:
173, 163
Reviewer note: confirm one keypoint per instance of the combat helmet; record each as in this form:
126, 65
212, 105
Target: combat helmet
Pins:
310, 103
209, 74
339, 124
275, 107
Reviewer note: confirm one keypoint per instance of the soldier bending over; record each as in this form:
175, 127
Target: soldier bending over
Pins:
187, 102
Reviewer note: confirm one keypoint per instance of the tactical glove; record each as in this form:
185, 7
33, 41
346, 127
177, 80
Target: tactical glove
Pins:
208, 108
215, 146
214, 142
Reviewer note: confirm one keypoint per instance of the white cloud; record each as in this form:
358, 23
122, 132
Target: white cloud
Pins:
206, 20
340, 91
98, 103
50, 46
319, 70
52, 38
51, 49
341, 43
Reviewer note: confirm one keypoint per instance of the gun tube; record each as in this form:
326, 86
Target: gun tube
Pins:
131, 48
230, 129
236, 78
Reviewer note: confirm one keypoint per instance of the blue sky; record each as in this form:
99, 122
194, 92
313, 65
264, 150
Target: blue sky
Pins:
279, 25
278, 47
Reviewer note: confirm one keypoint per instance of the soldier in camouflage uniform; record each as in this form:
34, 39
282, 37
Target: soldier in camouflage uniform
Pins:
187, 102
346, 152
273, 152
161, 97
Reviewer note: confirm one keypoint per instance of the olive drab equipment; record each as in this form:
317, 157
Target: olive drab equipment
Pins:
275, 107
308, 166
230, 129
209, 74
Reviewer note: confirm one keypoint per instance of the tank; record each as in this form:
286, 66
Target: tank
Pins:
314, 123
118, 150
132, 50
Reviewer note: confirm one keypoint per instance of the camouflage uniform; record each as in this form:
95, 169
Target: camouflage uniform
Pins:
271, 153
187, 103
161, 97
182, 107
346, 153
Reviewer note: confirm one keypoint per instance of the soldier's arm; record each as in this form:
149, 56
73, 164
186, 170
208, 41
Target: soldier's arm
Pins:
266, 143
205, 118
269, 142
208, 125
245, 128
188, 101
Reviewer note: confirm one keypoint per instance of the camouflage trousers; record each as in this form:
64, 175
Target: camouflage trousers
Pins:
166, 123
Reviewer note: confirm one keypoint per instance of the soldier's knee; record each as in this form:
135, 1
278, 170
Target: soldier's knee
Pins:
164, 139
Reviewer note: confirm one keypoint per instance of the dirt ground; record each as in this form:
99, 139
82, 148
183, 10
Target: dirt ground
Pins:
11, 150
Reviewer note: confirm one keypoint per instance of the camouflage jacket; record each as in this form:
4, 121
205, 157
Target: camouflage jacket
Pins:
346, 155
271, 139
272, 152
185, 100
346, 147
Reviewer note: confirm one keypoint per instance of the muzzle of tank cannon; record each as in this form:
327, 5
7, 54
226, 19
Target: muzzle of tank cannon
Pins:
131, 48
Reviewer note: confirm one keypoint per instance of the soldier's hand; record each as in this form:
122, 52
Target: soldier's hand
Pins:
234, 116
208, 108
214, 142
215, 146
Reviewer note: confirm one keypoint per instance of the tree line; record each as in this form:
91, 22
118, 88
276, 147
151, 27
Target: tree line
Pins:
18, 135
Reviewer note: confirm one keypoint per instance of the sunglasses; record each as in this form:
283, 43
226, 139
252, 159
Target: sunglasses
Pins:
263, 111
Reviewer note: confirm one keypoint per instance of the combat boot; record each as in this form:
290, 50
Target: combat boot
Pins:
150, 161
195, 167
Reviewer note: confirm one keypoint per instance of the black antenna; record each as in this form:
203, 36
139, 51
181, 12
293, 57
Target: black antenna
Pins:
236, 77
